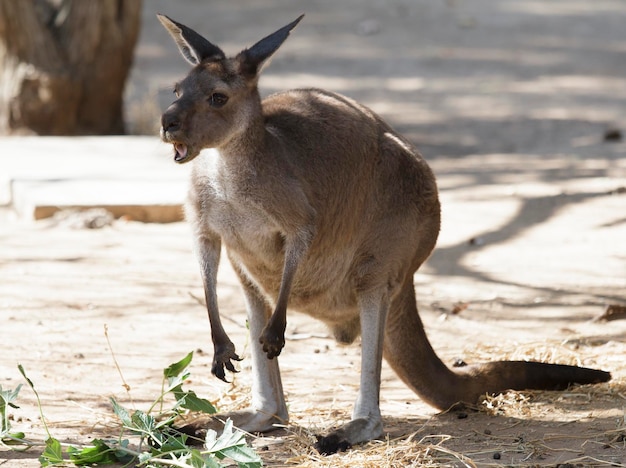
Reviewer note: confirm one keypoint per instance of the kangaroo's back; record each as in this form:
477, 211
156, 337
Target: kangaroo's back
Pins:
351, 161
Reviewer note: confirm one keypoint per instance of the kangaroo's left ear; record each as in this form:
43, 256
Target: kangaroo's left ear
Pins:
252, 60
192, 45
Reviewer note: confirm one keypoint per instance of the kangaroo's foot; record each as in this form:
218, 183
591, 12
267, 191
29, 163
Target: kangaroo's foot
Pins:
355, 432
223, 354
247, 420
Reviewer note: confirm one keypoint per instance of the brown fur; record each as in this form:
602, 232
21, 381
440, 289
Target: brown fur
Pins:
323, 207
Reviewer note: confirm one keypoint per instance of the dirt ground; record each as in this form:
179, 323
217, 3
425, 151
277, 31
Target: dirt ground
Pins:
530, 282
511, 103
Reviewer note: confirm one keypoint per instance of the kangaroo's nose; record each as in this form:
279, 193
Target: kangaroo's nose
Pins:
169, 122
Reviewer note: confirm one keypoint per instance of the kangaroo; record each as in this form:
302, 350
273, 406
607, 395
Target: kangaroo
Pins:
323, 208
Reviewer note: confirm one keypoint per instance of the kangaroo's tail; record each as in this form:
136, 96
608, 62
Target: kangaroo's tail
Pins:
411, 356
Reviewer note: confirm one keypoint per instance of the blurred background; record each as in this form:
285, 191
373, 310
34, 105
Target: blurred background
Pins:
457, 77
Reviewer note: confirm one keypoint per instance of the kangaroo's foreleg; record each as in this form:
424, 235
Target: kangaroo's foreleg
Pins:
273, 336
366, 423
268, 408
209, 248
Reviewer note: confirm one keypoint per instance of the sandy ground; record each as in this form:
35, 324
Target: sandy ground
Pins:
532, 243
532, 280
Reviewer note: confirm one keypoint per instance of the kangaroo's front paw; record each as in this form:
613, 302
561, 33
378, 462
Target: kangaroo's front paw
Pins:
273, 341
222, 358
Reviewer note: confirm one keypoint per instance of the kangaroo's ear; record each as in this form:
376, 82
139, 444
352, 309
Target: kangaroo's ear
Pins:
252, 60
192, 45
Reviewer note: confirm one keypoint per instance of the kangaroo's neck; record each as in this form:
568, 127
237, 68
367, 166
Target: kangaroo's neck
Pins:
251, 140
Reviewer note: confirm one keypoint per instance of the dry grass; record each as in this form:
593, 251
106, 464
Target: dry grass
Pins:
583, 426
296, 450
435, 450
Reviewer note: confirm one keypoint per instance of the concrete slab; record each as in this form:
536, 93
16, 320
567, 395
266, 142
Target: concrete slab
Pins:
130, 176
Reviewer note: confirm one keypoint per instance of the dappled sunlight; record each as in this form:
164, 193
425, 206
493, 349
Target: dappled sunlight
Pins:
572, 224
562, 8
478, 217
576, 85
340, 84
520, 218
553, 75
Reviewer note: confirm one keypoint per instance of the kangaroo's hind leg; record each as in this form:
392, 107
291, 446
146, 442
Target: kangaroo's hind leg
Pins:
366, 423
268, 399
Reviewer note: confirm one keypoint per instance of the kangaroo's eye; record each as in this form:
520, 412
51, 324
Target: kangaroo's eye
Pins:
217, 100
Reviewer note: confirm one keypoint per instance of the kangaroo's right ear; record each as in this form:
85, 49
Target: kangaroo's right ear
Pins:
252, 60
192, 45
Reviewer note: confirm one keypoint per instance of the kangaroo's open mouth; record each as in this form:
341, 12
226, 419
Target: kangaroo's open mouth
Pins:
180, 152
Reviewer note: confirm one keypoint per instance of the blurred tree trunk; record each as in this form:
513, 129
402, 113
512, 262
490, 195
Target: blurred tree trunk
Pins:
63, 65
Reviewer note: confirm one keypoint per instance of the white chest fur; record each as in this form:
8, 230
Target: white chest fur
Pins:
226, 203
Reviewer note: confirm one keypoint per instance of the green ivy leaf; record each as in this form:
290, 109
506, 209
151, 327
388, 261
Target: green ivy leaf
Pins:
174, 443
166, 445
6, 400
142, 422
52, 454
121, 413
8, 396
144, 457
227, 439
14, 438
198, 460
244, 456
177, 368
189, 400
232, 444
120, 451
100, 453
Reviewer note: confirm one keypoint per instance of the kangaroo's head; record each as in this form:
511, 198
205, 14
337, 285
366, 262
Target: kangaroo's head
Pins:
218, 99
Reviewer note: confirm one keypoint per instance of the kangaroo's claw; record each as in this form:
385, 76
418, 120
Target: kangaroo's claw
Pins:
223, 357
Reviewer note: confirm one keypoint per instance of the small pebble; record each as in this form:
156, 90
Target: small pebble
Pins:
613, 134
478, 241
